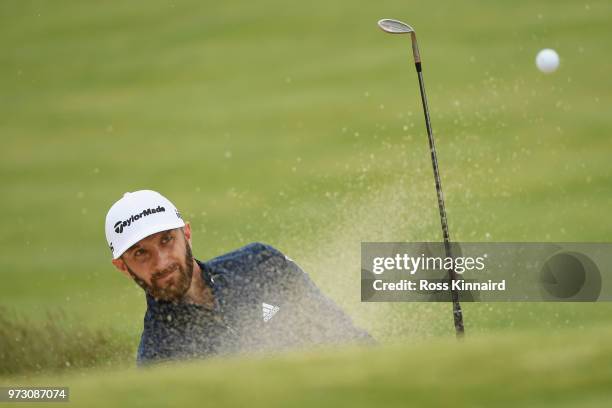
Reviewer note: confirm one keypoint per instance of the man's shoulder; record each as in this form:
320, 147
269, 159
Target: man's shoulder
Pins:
254, 257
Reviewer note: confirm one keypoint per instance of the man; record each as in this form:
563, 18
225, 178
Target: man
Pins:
253, 298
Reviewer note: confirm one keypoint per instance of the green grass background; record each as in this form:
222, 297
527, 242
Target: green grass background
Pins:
299, 124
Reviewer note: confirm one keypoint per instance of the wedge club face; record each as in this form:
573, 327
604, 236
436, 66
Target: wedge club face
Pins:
394, 26
388, 25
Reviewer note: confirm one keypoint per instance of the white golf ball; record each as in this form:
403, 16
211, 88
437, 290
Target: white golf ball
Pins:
547, 60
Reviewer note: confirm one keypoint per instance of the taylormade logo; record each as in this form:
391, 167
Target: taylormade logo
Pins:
120, 225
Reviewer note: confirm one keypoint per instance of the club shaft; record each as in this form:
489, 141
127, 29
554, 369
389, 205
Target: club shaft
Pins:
457, 313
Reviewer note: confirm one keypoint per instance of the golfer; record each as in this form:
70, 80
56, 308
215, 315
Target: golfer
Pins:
254, 298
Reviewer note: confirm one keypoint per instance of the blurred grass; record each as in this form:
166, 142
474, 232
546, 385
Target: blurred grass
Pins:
534, 369
58, 343
298, 125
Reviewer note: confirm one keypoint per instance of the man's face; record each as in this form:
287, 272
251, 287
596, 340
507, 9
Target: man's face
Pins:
161, 264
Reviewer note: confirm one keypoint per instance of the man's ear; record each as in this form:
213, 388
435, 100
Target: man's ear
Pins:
187, 231
119, 264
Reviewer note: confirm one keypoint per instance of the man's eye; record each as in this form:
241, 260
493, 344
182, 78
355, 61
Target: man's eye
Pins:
139, 252
166, 239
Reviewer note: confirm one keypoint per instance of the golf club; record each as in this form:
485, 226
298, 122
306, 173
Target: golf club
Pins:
397, 27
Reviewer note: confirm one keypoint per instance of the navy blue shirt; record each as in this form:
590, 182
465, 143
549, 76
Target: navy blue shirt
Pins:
263, 301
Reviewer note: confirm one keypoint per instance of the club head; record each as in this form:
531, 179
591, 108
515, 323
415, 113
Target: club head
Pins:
391, 26
394, 26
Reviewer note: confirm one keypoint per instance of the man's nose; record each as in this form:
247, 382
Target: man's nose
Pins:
163, 260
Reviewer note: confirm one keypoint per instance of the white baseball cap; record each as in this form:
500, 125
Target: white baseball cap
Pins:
136, 216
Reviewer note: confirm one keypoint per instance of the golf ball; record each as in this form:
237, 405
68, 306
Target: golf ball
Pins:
547, 60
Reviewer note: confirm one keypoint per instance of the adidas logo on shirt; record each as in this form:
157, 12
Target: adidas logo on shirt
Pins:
269, 311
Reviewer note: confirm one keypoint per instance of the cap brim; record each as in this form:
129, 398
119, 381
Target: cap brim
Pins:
145, 233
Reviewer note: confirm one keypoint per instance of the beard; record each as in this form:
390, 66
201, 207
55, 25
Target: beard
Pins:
177, 279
